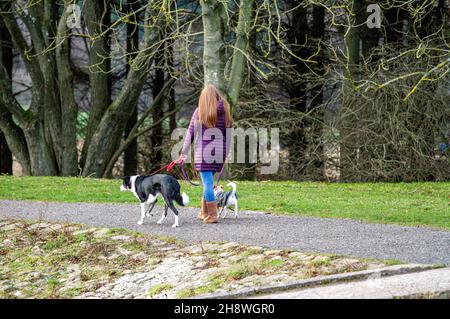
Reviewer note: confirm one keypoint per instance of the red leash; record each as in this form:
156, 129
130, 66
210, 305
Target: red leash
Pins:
168, 166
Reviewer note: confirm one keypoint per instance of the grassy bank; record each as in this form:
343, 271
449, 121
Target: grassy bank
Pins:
425, 204
54, 260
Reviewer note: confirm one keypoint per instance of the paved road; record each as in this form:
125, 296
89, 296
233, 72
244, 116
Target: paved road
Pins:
327, 235
435, 282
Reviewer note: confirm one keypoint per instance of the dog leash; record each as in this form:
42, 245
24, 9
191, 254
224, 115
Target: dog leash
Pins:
220, 175
168, 167
186, 177
172, 164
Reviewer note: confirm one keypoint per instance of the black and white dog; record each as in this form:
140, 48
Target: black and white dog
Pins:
226, 199
148, 188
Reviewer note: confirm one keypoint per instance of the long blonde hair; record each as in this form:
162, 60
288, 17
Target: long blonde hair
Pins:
207, 107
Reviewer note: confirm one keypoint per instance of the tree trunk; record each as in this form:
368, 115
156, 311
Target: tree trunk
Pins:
6, 57
41, 24
111, 127
317, 96
241, 46
41, 156
15, 139
171, 104
213, 45
352, 47
343, 153
130, 163
36, 142
12, 139
69, 108
135, 132
157, 135
297, 89
98, 19
6, 159
247, 170
171, 107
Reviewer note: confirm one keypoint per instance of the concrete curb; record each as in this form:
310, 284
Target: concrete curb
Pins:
321, 280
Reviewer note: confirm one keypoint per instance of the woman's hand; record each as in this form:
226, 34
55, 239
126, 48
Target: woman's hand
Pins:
182, 158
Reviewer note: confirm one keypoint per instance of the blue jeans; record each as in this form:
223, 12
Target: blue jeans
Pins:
208, 185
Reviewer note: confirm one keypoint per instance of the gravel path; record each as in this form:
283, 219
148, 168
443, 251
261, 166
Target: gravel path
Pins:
326, 235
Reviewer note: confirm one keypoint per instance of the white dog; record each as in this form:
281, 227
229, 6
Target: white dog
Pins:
226, 199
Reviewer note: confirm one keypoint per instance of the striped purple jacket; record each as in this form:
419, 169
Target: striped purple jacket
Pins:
211, 147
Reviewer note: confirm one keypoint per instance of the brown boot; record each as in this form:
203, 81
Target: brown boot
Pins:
203, 212
211, 207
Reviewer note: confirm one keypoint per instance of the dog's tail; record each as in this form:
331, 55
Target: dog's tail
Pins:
233, 185
182, 199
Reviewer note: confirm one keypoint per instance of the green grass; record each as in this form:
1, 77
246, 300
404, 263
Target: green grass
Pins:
240, 271
274, 263
214, 283
424, 204
157, 289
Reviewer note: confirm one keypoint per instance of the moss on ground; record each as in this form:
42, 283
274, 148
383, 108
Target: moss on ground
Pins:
157, 289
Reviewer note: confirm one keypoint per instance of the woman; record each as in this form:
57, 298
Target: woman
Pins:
211, 116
